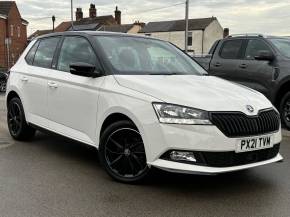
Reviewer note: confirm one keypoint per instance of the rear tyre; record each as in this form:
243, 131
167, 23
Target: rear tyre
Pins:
122, 152
17, 125
285, 110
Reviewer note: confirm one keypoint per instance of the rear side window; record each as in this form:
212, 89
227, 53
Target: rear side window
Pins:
45, 52
75, 50
255, 47
231, 49
30, 56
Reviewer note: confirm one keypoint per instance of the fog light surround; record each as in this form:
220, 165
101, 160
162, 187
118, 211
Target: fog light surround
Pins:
182, 156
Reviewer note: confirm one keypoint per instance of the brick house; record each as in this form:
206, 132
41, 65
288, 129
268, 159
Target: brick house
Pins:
93, 22
13, 34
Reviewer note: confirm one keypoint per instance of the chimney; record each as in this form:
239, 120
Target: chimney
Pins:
118, 16
93, 11
138, 23
79, 14
226, 32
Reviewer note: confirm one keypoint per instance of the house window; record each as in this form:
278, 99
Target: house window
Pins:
189, 39
18, 31
11, 30
13, 58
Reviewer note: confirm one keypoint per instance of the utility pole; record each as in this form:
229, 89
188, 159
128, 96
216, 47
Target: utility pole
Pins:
186, 25
53, 20
72, 15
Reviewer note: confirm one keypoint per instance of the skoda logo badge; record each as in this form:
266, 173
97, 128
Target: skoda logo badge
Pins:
250, 108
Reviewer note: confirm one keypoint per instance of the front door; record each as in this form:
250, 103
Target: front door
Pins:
225, 63
256, 74
72, 99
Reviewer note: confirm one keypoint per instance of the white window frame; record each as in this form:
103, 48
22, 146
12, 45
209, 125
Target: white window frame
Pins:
190, 38
18, 31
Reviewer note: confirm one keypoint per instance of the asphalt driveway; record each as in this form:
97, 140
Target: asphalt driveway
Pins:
54, 176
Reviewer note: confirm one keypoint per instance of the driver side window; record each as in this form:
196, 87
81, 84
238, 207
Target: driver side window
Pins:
75, 50
254, 48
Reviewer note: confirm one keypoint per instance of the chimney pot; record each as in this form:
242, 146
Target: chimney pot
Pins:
93, 11
79, 14
118, 16
226, 32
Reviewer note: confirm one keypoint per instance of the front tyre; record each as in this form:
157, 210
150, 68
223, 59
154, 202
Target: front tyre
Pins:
17, 125
285, 110
122, 152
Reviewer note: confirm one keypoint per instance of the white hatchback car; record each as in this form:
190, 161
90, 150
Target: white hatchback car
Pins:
142, 102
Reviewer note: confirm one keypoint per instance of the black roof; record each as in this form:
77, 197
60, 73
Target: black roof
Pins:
100, 33
124, 28
177, 25
39, 33
5, 7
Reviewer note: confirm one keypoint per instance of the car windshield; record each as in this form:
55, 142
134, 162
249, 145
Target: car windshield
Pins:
142, 56
283, 45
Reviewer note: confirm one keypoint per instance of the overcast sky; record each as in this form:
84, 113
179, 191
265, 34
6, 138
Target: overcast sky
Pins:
252, 16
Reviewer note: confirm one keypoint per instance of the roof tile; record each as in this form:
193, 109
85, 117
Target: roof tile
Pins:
177, 25
5, 7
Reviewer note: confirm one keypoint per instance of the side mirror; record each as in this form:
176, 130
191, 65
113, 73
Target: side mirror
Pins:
83, 69
265, 55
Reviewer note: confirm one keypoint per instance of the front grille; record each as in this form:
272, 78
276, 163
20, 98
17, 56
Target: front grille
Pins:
237, 124
228, 159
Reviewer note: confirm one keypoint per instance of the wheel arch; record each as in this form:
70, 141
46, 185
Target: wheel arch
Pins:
283, 89
112, 118
116, 114
12, 94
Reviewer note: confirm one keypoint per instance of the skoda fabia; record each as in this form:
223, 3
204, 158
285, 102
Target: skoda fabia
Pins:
142, 102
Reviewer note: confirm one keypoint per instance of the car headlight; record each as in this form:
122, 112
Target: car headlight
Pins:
175, 114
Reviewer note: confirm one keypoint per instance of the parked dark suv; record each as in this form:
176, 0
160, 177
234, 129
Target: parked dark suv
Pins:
259, 62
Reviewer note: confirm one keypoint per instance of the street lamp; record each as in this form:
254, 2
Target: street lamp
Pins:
186, 25
71, 13
53, 20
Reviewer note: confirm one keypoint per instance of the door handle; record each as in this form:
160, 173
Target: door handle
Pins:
243, 66
217, 64
52, 84
24, 79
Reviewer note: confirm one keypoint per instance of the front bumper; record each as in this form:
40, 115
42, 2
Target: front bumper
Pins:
165, 137
176, 167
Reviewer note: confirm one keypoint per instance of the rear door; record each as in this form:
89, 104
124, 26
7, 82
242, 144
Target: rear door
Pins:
73, 99
256, 74
33, 80
226, 59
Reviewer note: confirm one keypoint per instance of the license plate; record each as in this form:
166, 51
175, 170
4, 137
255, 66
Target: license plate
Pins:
255, 143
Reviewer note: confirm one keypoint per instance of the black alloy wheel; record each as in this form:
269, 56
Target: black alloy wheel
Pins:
122, 152
17, 125
285, 110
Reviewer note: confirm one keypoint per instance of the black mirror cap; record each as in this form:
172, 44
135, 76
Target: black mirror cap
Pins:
265, 55
84, 69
